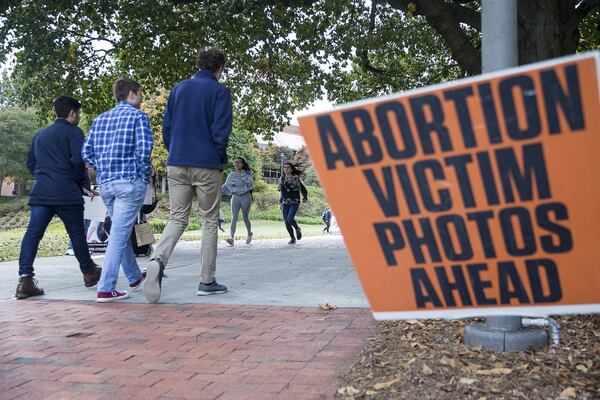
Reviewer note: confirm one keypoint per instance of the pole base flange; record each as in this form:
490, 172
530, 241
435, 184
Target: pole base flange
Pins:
505, 340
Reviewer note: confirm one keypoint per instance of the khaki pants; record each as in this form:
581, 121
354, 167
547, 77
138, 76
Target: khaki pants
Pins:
184, 182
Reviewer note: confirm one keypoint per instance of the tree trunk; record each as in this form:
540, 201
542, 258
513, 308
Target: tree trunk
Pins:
547, 29
1, 178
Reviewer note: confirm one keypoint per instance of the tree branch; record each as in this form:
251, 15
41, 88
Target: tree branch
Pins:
462, 14
287, 3
583, 9
440, 16
366, 65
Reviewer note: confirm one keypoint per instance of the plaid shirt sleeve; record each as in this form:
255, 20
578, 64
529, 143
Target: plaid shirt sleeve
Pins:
87, 151
144, 143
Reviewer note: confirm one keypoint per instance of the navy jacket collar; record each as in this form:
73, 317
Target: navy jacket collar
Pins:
204, 74
63, 121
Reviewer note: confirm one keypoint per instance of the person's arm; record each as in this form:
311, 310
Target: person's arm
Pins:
166, 130
143, 145
76, 140
227, 187
304, 192
222, 123
248, 181
87, 151
31, 160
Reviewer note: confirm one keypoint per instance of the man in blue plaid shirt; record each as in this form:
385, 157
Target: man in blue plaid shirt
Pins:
118, 147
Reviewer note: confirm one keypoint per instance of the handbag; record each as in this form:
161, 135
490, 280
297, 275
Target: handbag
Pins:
143, 233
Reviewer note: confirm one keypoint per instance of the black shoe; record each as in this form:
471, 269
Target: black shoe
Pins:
298, 233
293, 241
205, 289
92, 277
28, 288
153, 282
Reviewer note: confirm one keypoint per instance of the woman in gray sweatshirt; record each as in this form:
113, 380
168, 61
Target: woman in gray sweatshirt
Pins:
239, 186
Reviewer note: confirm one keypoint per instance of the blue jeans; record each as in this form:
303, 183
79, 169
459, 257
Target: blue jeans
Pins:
40, 217
289, 212
123, 200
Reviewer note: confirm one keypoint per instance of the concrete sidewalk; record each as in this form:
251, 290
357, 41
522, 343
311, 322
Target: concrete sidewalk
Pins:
265, 339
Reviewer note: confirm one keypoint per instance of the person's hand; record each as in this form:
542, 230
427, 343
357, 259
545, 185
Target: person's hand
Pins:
279, 187
90, 193
304, 200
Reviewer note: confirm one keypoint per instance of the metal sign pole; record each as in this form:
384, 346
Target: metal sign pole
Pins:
500, 51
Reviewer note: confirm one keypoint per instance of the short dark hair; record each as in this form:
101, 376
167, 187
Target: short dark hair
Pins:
123, 86
64, 104
211, 59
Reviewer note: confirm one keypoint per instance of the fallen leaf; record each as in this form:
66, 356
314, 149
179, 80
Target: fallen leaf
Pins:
427, 370
522, 367
380, 354
494, 371
385, 385
448, 361
327, 306
412, 360
467, 381
582, 368
348, 391
370, 392
79, 334
568, 392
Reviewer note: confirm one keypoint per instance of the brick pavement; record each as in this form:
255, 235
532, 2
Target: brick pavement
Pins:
82, 350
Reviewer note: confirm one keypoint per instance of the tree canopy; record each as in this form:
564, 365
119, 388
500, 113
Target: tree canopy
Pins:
17, 130
282, 54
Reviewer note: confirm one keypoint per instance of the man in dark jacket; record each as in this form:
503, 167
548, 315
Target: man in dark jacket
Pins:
60, 180
196, 128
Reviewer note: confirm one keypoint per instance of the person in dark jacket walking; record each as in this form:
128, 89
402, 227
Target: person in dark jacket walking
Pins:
291, 187
196, 127
60, 181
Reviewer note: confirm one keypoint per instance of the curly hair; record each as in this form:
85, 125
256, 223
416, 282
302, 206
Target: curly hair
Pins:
211, 59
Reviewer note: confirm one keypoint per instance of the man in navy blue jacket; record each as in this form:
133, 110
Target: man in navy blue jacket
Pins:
60, 181
196, 128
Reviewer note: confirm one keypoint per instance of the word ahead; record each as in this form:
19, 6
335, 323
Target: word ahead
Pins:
473, 198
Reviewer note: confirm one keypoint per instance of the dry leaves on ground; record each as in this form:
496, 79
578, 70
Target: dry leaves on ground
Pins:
427, 360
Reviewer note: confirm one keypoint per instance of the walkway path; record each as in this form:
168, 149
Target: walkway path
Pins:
265, 339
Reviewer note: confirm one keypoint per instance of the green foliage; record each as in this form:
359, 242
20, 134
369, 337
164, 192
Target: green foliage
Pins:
241, 144
157, 225
17, 129
282, 55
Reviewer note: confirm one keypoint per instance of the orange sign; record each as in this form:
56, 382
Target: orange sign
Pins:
474, 198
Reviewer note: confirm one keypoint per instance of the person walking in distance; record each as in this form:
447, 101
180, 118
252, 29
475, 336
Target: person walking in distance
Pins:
196, 127
291, 188
239, 186
55, 162
327, 219
118, 147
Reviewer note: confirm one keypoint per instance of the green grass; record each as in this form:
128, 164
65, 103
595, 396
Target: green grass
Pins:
55, 240
265, 214
261, 229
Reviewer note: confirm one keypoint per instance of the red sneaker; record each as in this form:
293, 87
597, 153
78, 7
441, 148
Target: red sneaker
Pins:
136, 285
105, 297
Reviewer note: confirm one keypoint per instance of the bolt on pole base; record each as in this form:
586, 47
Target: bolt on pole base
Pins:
504, 334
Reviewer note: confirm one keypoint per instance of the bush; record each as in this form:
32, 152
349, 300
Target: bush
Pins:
158, 225
259, 186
